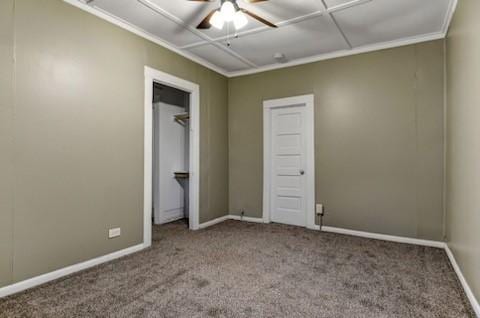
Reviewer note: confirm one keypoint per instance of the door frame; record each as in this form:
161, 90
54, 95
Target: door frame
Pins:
151, 76
268, 105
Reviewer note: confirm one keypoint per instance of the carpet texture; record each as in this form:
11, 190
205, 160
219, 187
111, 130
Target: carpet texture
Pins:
237, 269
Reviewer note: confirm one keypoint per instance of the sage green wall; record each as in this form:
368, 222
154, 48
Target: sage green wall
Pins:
6, 140
78, 136
463, 140
378, 138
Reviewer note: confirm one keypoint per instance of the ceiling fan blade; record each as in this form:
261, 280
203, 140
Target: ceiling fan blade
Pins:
256, 17
205, 24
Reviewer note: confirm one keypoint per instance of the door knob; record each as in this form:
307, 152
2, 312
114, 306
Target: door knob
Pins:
302, 172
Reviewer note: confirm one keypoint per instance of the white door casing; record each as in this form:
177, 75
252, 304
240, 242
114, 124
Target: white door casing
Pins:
289, 167
151, 76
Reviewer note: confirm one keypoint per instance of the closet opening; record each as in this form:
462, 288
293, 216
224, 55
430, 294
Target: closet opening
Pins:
171, 152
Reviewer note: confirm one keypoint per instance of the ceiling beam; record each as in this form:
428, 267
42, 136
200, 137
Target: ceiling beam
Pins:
280, 24
192, 29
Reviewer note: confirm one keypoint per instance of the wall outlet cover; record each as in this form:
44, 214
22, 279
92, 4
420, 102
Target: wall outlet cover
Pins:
114, 232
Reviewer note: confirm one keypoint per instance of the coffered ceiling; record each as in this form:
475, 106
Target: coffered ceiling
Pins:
308, 30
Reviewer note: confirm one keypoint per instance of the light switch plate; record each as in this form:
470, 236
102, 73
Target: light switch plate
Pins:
114, 232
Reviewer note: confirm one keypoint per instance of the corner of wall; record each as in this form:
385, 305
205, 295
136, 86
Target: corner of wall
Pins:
7, 42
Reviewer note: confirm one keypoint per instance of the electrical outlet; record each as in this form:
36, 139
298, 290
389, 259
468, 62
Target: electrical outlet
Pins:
242, 214
319, 209
114, 232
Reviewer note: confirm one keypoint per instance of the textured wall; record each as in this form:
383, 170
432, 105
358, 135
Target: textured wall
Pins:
78, 131
378, 138
463, 141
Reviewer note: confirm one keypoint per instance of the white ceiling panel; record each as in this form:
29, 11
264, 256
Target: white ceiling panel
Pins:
218, 57
143, 17
317, 36
305, 31
191, 12
334, 3
387, 20
281, 10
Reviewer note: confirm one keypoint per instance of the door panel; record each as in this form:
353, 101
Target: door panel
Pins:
288, 184
287, 165
288, 144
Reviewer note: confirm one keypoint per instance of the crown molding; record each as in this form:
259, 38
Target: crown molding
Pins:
449, 16
321, 57
146, 35
359, 50
343, 53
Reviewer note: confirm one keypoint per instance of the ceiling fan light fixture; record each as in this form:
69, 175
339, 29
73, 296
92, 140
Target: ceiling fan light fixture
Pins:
239, 20
228, 11
217, 20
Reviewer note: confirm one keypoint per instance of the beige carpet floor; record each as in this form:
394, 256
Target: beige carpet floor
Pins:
237, 269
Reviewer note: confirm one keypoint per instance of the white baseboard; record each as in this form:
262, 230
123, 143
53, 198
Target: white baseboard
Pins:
230, 217
44, 278
171, 219
463, 281
38, 280
384, 237
245, 219
407, 240
213, 222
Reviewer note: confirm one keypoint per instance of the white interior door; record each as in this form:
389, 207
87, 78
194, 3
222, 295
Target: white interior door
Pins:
288, 146
289, 161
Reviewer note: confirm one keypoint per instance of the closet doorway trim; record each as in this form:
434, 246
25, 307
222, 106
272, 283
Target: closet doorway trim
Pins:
155, 76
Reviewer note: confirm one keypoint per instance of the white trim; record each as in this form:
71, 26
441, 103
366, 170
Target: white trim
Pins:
144, 34
230, 217
383, 237
44, 278
259, 29
151, 76
399, 239
213, 222
343, 53
321, 57
268, 105
360, 50
148, 162
337, 25
246, 218
449, 16
283, 23
178, 21
463, 281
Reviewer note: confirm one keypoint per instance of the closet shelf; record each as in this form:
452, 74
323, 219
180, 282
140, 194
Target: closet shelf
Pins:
182, 117
181, 174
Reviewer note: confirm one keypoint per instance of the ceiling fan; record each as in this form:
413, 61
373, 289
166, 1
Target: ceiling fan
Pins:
229, 11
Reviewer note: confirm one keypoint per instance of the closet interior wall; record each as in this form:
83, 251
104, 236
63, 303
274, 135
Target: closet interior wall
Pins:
171, 154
